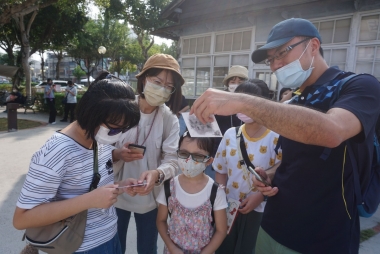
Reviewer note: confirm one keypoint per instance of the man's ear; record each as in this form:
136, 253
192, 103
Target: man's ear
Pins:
315, 44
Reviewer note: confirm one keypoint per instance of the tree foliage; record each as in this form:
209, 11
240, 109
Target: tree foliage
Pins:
143, 16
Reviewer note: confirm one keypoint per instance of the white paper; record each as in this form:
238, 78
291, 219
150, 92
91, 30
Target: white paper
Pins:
198, 129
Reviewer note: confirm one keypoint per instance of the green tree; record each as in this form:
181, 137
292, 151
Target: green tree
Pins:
84, 46
22, 14
143, 16
78, 73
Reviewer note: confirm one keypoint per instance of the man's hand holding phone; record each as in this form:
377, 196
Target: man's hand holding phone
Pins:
262, 182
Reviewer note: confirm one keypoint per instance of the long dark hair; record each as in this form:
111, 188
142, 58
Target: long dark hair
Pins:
107, 100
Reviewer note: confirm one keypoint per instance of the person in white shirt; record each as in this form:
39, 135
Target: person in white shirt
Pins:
193, 204
259, 143
159, 81
71, 95
61, 173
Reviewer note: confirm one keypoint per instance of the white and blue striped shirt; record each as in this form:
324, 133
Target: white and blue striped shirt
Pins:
63, 169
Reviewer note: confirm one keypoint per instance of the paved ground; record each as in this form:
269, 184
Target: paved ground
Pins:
16, 150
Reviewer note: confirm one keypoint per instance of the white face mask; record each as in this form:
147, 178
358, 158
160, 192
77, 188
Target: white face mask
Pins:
155, 95
293, 75
244, 118
191, 168
103, 138
232, 87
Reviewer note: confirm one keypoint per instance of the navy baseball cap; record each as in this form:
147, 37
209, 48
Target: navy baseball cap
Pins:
282, 33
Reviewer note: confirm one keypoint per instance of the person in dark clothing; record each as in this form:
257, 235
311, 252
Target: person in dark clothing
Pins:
312, 206
14, 97
50, 100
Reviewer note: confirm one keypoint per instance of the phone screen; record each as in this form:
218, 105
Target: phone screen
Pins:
137, 148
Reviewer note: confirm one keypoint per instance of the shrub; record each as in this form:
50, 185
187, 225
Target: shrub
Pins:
42, 106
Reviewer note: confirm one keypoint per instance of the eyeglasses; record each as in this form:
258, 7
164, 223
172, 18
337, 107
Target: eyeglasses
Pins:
195, 156
281, 54
157, 81
115, 131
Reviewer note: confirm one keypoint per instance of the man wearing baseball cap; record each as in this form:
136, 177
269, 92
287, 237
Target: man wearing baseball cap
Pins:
311, 205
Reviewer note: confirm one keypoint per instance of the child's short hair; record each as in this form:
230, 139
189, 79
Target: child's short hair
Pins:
206, 144
250, 88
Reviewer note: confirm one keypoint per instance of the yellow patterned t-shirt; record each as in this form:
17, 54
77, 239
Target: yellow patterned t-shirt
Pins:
261, 153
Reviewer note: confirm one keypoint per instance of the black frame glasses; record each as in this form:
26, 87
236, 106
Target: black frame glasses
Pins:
194, 156
281, 54
115, 131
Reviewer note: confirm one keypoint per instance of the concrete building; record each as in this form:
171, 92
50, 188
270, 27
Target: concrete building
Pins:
216, 34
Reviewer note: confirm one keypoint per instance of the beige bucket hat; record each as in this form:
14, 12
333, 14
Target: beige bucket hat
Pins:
236, 71
162, 61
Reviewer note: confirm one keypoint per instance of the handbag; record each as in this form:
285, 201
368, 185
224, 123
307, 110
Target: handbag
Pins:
64, 100
65, 236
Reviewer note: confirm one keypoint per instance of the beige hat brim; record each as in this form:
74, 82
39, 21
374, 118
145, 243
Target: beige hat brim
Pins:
233, 75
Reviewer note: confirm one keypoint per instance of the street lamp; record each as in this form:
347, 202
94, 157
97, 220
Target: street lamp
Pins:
102, 50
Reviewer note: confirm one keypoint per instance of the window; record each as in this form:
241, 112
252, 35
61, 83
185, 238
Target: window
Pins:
197, 45
334, 31
270, 79
368, 60
336, 57
369, 28
368, 48
233, 41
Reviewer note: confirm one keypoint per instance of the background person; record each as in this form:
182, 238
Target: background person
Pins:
311, 207
237, 74
190, 228
14, 97
184, 108
63, 168
71, 93
260, 143
285, 94
158, 82
50, 100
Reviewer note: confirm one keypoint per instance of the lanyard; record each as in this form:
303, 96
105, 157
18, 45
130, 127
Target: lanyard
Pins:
138, 130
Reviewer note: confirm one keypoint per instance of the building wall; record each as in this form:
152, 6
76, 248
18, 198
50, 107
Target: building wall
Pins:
350, 39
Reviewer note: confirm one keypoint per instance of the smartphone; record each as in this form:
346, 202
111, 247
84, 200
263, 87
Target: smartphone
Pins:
258, 177
132, 185
137, 148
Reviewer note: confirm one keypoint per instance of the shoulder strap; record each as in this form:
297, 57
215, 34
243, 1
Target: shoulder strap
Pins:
167, 193
243, 150
214, 190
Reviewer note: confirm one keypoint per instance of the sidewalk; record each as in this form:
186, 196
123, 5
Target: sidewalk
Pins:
16, 149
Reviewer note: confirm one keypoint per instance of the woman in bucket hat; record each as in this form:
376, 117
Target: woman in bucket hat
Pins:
158, 82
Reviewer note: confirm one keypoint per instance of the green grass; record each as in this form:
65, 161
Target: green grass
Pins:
21, 124
366, 234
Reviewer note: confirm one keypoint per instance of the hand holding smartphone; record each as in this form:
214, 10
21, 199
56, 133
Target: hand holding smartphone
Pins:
258, 177
137, 148
132, 185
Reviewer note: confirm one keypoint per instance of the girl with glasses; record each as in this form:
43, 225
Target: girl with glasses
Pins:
62, 180
192, 215
246, 205
158, 82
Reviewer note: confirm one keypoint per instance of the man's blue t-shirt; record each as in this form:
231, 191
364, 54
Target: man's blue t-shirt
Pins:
310, 213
